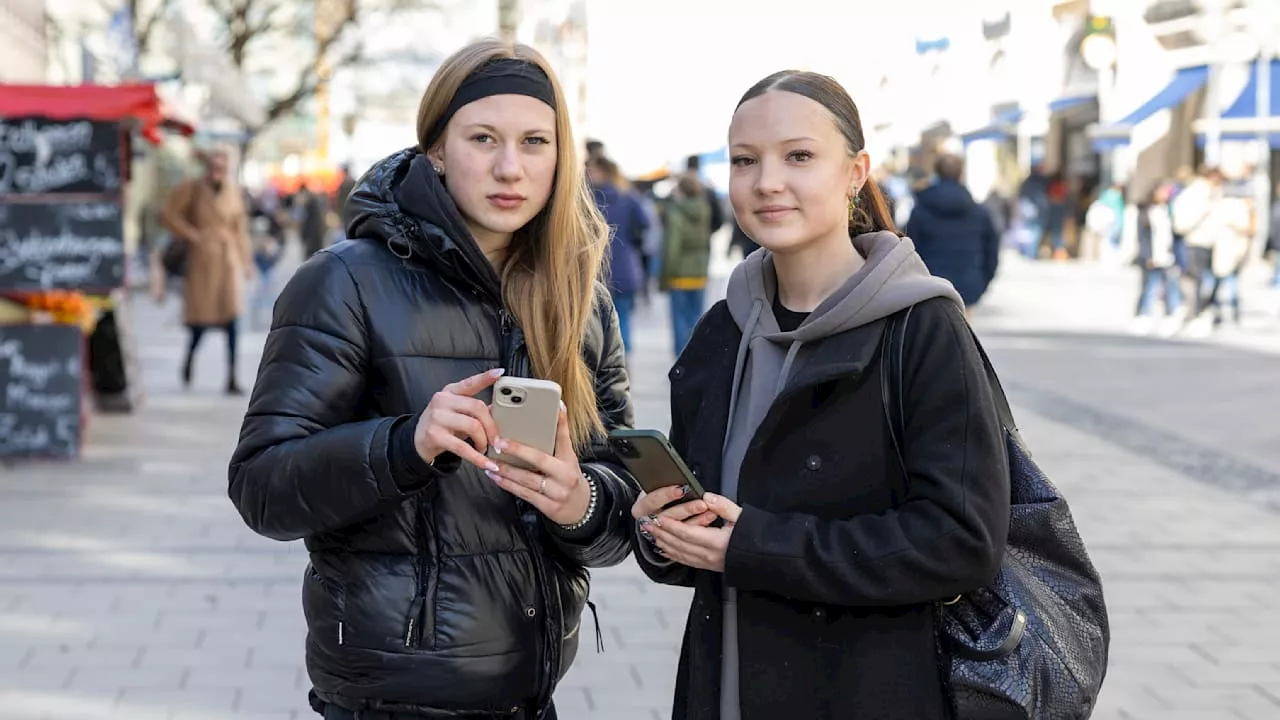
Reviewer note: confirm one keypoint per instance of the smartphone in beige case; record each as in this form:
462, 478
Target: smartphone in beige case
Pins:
526, 411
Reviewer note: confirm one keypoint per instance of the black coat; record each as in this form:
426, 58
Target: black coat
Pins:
838, 563
434, 595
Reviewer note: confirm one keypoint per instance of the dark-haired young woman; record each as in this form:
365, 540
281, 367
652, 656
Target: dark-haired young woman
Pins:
818, 593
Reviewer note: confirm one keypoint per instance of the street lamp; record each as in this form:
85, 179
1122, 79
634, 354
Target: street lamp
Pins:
1099, 52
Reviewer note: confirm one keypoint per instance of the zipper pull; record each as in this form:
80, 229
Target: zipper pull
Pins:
595, 620
507, 321
413, 625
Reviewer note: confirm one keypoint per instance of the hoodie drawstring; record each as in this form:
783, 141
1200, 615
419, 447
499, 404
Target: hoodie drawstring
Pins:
740, 366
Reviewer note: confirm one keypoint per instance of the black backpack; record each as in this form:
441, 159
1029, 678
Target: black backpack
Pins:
1034, 643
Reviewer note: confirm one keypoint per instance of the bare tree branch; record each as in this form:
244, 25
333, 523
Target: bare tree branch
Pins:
144, 30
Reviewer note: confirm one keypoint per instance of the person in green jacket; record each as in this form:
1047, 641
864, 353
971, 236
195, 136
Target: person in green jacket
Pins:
686, 254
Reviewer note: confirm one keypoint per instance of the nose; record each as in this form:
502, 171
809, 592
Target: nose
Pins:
508, 166
770, 179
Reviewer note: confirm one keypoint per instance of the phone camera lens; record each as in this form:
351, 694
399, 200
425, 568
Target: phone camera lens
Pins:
517, 400
505, 391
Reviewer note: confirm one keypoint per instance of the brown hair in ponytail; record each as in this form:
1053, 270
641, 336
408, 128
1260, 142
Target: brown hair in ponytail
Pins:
872, 211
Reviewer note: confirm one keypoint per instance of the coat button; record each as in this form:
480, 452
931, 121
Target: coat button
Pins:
696, 470
813, 462
677, 372
819, 613
530, 612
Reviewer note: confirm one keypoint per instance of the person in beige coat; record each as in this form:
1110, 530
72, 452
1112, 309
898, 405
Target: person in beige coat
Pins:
210, 214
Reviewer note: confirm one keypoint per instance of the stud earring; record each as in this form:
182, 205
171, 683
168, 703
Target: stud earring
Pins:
439, 169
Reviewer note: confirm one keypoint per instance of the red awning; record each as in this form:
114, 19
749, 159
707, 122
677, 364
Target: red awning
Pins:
138, 103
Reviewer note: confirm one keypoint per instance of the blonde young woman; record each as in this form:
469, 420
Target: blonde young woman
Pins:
441, 583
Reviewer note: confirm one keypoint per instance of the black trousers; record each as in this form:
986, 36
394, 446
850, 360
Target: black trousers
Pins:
197, 333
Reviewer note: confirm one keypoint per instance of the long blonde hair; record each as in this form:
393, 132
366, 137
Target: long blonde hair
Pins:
549, 279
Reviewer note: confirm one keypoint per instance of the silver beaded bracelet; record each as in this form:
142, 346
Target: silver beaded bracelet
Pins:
591, 505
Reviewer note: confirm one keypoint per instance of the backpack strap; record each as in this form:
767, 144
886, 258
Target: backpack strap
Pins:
893, 343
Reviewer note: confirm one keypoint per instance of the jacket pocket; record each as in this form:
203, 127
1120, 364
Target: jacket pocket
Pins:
365, 605
323, 606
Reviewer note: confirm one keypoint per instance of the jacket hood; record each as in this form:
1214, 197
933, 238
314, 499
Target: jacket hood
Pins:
893, 278
946, 197
400, 202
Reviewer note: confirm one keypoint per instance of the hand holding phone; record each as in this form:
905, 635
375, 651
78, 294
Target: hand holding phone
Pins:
525, 410
650, 458
455, 421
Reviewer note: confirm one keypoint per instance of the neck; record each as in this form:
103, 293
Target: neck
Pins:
808, 275
493, 245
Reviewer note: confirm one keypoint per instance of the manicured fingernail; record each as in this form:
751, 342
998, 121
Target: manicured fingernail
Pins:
685, 490
492, 467
562, 407
644, 521
500, 444
498, 372
657, 521
493, 476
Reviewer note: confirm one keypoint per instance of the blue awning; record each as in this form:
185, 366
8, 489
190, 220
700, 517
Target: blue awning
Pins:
1246, 106
1066, 103
999, 128
1185, 82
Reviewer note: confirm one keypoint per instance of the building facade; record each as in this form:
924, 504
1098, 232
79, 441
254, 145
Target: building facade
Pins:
23, 54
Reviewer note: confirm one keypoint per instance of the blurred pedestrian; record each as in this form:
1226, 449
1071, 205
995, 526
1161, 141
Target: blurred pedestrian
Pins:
209, 215
953, 234
627, 223
1159, 264
686, 257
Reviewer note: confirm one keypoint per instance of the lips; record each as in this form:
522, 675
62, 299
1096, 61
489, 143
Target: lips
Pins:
506, 200
773, 212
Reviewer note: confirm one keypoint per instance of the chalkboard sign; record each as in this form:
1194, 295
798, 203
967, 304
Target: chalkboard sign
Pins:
40, 390
39, 156
70, 245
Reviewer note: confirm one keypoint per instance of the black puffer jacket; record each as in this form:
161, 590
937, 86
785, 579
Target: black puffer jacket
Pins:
444, 596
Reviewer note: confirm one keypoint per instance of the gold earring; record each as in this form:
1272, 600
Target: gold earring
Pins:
853, 210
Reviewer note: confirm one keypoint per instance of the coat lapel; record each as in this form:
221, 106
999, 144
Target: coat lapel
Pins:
701, 382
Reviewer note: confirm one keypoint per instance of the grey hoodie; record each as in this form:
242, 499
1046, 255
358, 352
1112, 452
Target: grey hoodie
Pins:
894, 278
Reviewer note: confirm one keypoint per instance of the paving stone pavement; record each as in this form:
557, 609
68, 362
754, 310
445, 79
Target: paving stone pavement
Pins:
129, 587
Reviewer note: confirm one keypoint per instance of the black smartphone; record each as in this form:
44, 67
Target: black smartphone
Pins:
652, 460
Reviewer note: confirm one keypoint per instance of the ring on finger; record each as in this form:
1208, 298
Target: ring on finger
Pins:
542, 487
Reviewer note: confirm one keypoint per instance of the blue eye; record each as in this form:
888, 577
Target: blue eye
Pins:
538, 140
482, 137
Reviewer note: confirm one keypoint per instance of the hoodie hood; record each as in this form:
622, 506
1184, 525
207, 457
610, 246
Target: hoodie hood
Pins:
893, 278
946, 198
401, 203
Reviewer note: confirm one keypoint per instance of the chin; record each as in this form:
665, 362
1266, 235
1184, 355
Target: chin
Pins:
779, 240
505, 223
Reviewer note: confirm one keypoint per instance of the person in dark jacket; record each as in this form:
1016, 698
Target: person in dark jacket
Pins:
954, 234
443, 583
818, 596
627, 224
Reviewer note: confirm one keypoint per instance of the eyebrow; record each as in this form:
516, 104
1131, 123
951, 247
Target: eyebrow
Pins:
492, 129
803, 138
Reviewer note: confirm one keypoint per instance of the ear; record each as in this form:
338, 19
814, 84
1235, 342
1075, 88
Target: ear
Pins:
859, 172
436, 154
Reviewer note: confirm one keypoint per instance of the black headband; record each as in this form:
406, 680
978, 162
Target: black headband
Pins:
500, 76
